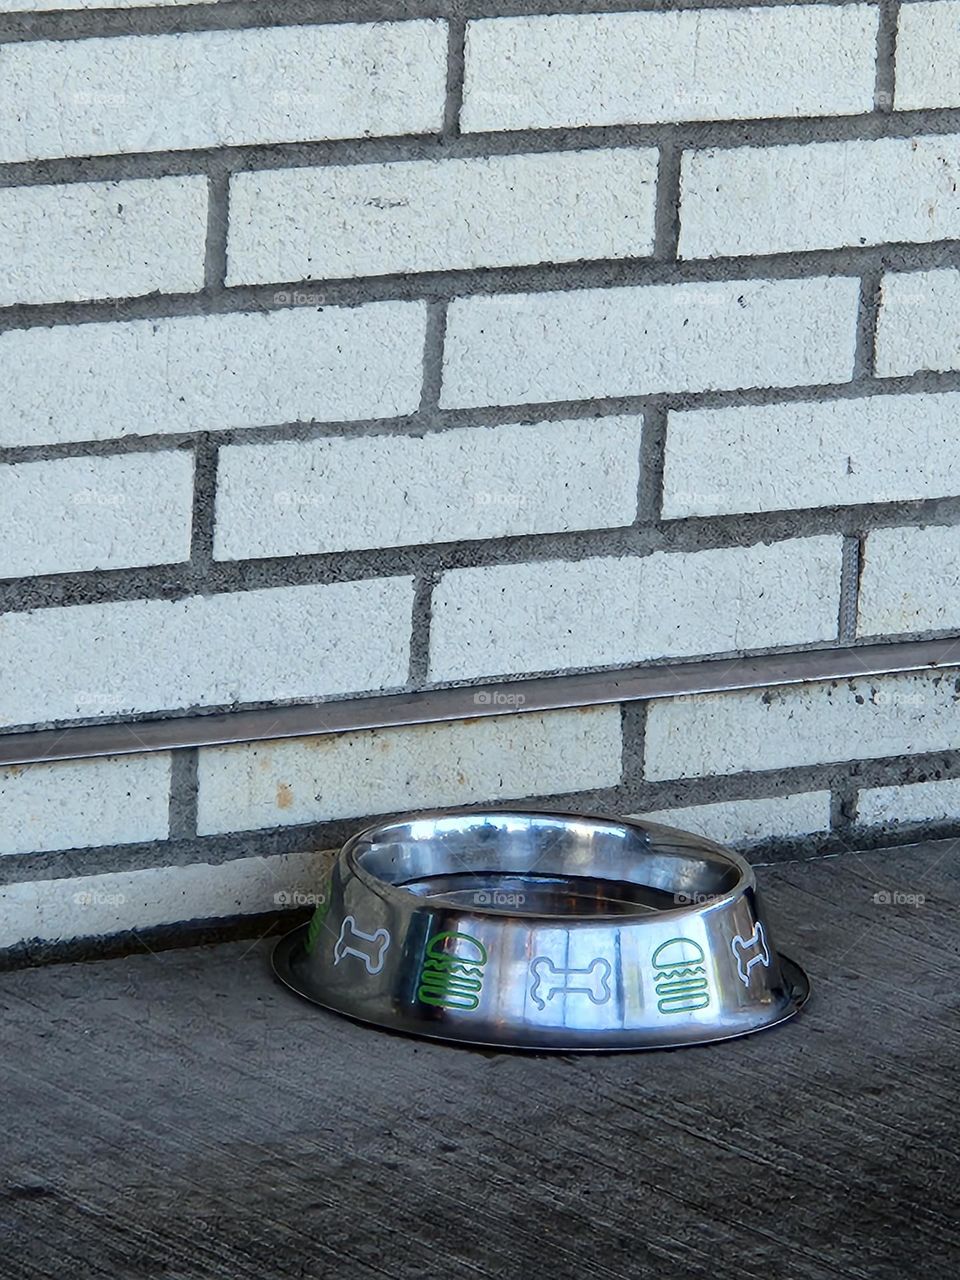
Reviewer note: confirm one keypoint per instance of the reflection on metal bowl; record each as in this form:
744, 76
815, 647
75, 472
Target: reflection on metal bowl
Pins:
543, 931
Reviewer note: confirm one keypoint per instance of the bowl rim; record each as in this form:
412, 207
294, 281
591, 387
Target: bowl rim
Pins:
400, 896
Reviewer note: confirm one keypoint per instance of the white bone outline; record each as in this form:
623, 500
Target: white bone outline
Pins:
740, 944
380, 937
604, 967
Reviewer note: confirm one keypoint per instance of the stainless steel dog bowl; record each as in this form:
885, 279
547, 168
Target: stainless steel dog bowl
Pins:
543, 931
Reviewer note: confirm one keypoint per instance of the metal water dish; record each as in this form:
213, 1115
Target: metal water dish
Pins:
543, 931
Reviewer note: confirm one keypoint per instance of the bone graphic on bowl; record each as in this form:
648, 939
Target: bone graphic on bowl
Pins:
593, 981
368, 947
750, 951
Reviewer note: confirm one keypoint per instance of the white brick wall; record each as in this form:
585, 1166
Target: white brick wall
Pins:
96, 513
518, 618
909, 581
744, 822
84, 906
709, 64
919, 322
381, 219
220, 88
315, 779
196, 372
249, 646
102, 239
726, 733
78, 803
756, 200
928, 55
778, 457
271, 293
387, 491
917, 802
529, 348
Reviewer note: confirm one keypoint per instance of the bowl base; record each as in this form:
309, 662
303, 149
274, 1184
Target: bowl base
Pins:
795, 981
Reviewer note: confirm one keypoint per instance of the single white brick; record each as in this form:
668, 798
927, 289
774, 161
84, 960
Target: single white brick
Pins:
919, 322
250, 646
556, 614
437, 215
75, 804
194, 373
755, 200
913, 802
780, 457
746, 822
909, 581
756, 730
220, 88
76, 514
534, 347
427, 766
928, 56
102, 239
705, 64
336, 494
92, 906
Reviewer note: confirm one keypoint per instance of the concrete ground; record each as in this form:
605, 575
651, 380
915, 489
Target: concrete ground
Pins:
180, 1116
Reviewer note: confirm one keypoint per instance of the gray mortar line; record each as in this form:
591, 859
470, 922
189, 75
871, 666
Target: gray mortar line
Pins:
868, 314
424, 581
438, 421
204, 506
633, 725
456, 35
507, 282
183, 796
201, 575
420, 632
434, 337
630, 797
215, 259
667, 210
843, 807
884, 92
652, 447
849, 589
686, 135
